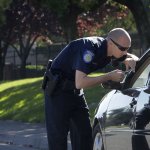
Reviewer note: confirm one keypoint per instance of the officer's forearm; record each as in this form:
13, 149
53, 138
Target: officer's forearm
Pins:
84, 81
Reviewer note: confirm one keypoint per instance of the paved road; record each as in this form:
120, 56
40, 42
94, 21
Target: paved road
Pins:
23, 136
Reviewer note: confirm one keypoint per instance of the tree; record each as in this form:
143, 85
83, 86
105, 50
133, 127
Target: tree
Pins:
141, 12
29, 23
3, 5
5, 37
68, 11
103, 19
5, 34
22, 24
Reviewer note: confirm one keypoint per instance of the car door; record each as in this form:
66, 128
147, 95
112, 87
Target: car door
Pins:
141, 135
121, 113
120, 118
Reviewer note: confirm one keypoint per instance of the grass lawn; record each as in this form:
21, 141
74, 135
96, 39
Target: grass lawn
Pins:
23, 100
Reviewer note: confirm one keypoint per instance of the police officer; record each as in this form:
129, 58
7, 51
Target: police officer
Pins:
72, 66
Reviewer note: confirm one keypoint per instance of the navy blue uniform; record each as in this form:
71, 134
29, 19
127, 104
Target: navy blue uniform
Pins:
87, 55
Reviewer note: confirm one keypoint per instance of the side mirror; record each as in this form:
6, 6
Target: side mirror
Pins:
132, 92
112, 85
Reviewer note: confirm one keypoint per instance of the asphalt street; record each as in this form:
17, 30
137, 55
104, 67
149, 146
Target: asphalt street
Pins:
23, 136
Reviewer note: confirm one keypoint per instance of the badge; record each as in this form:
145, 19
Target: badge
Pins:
88, 56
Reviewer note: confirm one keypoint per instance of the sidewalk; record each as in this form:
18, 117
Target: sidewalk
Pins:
23, 136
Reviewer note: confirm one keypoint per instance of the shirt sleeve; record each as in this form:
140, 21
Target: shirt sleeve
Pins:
83, 60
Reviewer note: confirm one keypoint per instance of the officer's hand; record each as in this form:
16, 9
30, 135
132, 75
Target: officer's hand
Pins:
130, 63
116, 75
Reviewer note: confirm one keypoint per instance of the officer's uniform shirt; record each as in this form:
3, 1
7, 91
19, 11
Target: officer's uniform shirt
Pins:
85, 54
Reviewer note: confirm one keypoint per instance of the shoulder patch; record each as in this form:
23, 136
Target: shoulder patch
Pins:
88, 56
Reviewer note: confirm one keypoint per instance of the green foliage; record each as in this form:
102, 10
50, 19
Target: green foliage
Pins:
117, 16
112, 22
106, 17
62, 6
59, 6
23, 100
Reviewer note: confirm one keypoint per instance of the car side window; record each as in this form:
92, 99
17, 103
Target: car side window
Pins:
142, 79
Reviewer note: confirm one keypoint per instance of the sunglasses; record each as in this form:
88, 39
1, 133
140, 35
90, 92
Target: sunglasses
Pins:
119, 46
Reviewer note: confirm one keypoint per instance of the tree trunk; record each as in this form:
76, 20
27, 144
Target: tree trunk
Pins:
1, 68
141, 12
68, 22
23, 58
3, 51
23, 69
23, 53
142, 20
70, 28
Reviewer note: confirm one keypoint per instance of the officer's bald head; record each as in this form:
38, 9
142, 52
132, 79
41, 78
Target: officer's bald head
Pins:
120, 36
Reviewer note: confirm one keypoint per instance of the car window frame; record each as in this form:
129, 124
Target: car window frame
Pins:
132, 77
148, 81
139, 72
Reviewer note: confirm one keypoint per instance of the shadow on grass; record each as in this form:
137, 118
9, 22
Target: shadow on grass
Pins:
24, 103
